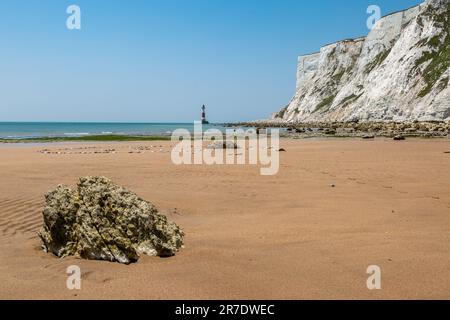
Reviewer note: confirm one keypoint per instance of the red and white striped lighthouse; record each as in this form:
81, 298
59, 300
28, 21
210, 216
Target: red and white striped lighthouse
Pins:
204, 121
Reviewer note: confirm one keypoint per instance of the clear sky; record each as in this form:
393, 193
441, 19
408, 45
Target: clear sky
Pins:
159, 61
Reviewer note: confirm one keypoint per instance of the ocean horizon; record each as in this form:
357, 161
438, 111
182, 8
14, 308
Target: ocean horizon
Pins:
24, 130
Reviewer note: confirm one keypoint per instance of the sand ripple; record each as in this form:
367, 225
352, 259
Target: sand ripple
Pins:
20, 215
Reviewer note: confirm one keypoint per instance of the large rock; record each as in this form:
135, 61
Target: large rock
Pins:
102, 221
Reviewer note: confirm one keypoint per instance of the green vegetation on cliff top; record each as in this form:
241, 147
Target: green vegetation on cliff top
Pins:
438, 58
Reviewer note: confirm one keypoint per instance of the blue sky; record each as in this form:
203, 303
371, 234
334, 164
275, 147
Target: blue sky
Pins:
159, 61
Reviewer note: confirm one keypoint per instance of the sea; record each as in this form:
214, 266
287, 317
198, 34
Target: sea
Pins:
24, 130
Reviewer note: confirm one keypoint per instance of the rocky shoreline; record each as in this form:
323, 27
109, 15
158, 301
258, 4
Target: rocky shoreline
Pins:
366, 130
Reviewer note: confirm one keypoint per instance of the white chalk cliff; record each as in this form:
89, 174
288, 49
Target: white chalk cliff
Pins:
399, 72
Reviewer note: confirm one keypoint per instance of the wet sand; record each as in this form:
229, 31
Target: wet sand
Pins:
288, 236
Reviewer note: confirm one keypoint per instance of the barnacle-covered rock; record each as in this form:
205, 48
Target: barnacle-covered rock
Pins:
103, 221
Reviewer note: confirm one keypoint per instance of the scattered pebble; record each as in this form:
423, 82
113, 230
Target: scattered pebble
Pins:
97, 150
92, 150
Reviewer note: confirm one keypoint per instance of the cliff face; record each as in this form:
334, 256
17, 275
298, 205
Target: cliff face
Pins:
399, 72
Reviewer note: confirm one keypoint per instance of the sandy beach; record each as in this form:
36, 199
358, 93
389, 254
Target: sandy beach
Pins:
288, 236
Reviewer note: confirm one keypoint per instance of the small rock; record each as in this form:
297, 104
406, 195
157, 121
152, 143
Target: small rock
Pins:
281, 150
368, 136
399, 138
223, 145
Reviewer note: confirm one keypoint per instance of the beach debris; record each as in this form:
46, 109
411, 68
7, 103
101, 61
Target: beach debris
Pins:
332, 185
399, 138
223, 145
100, 220
368, 136
281, 150
81, 150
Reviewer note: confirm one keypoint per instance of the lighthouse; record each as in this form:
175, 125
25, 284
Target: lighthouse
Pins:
204, 121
